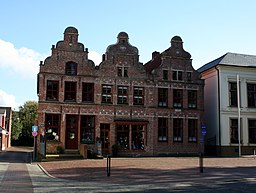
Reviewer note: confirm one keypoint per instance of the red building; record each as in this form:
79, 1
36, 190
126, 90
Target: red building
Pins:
5, 127
151, 109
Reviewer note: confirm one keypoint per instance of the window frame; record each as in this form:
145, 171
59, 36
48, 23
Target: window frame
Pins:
87, 92
122, 95
177, 98
177, 75
232, 94
251, 95
71, 90
251, 127
192, 130
177, 130
106, 93
51, 93
163, 97
52, 127
138, 96
162, 129
192, 99
87, 129
71, 68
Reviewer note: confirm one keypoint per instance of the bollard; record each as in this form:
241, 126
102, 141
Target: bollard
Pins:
201, 164
108, 164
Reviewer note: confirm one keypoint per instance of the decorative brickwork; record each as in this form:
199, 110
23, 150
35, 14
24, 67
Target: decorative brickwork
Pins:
126, 104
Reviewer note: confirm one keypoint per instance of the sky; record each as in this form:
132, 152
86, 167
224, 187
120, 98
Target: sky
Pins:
28, 29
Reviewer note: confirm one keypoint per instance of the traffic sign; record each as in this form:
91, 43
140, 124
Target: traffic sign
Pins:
203, 132
34, 128
34, 133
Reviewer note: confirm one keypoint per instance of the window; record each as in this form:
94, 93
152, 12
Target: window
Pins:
192, 99
122, 92
137, 137
162, 129
87, 129
177, 130
87, 92
52, 127
165, 74
106, 94
138, 96
233, 94
123, 136
252, 130
251, 94
52, 91
70, 91
162, 97
192, 130
189, 76
234, 130
71, 68
177, 75
177, 98
122, 71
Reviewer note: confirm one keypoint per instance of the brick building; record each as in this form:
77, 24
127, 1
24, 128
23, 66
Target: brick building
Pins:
151, 109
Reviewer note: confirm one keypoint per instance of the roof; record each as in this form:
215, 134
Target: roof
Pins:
231, 59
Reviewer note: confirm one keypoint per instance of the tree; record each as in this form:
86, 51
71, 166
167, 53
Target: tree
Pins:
23, 120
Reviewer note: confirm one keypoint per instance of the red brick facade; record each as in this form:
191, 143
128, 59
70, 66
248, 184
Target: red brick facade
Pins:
143, 109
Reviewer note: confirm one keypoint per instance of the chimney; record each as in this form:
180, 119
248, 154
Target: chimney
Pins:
155, 54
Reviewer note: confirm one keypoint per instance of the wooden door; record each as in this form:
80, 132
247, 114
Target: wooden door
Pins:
72, 132
104, 137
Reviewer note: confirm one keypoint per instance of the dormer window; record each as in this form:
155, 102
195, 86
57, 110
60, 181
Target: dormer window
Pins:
71, 68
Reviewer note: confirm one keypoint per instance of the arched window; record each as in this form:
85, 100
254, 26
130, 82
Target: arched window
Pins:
71, 68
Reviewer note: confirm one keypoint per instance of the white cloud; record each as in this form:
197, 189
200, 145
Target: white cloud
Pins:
7, 100
95, 57
22, 61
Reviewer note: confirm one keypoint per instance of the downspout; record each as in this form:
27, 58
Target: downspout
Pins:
218, 72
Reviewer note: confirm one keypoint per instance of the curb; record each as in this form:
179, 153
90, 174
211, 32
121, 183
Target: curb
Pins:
41, 167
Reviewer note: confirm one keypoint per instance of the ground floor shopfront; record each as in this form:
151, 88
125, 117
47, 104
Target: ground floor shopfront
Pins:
143, 135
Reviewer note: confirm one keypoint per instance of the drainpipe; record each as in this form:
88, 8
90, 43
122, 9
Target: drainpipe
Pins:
219, 150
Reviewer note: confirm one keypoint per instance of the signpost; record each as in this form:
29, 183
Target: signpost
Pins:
201, 164
34, 133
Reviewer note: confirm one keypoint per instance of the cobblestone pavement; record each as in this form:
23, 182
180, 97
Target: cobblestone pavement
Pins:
161, 174
157, 174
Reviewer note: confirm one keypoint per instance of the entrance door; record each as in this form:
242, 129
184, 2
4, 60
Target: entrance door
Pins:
72, 132
104, 137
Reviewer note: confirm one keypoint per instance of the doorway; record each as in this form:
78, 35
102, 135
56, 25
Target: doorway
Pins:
104, 137
72, 132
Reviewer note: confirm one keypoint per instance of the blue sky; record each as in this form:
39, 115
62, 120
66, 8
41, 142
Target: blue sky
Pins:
208, 29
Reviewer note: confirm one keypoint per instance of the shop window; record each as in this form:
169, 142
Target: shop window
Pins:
177, 75
122, 95
251, 95
87, 92
106, 94
177, 98
162, 97
177, 130
192, 99
252, 130
70, 91
192, 130
137, 137
71, 68
162, 129
123, 136
52, 91
52, 127
87, 129
138, 96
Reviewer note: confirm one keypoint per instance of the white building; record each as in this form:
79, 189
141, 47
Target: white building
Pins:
221, 104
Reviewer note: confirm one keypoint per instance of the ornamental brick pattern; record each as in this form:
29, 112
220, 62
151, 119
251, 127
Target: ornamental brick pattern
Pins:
133, 123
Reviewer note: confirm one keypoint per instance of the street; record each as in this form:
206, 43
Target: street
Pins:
153, 174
